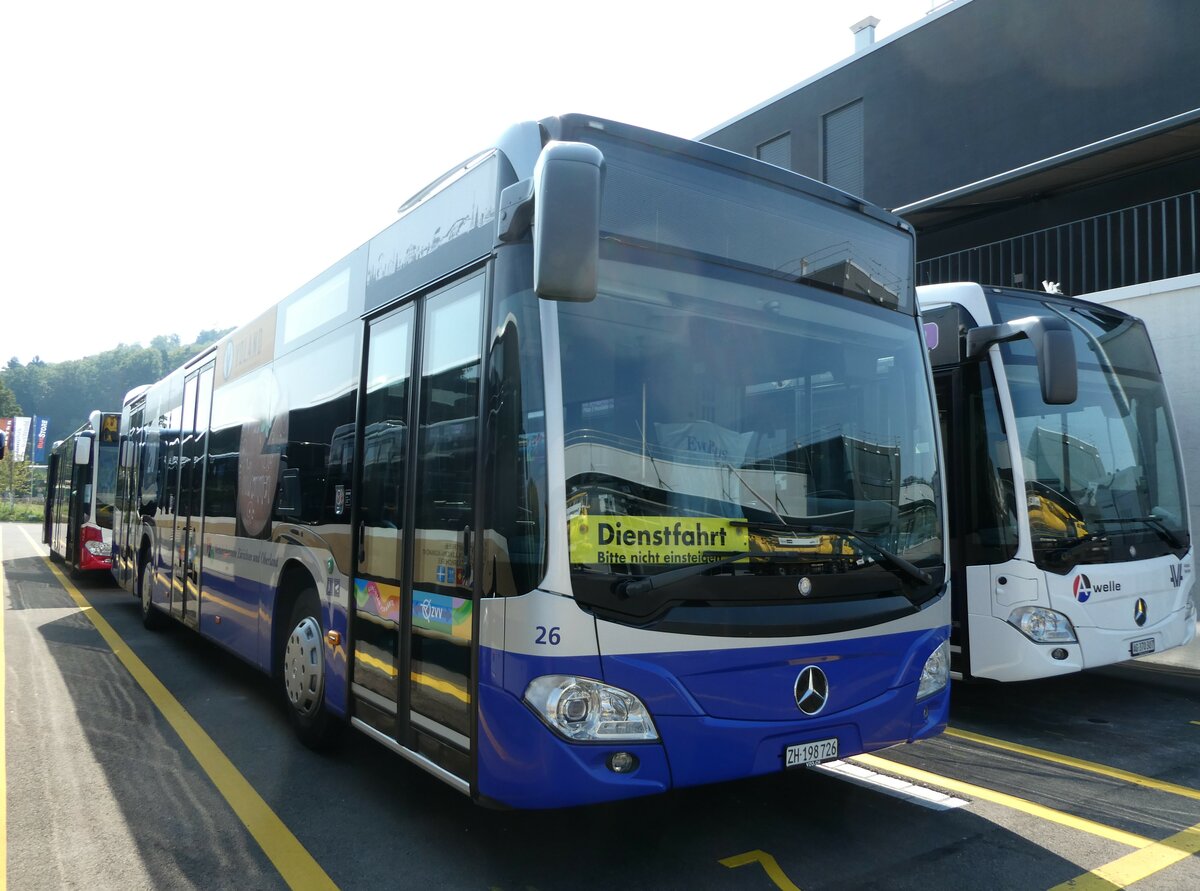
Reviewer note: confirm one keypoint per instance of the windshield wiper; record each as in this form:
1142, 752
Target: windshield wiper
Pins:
1156, 523
1066, 551
888, 558
761, 500
634, 587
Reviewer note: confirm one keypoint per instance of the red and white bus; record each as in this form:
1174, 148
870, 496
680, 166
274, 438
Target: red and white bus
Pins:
80, 493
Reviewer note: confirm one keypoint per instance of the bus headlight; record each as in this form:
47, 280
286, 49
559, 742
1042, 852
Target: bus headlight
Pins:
587, 710
936, 673
1042, 625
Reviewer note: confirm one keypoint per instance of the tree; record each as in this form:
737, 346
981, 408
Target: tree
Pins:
67, 392
9, 407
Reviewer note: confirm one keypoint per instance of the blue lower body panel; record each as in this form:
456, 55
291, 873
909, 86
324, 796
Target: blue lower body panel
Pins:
523, 763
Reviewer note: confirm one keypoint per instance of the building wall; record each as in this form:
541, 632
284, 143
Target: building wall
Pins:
1174, 334
990, 85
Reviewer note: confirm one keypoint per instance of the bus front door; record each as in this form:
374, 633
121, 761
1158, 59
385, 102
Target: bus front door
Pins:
415, 594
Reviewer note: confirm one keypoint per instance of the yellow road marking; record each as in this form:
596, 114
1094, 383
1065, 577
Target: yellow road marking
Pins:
1009, 801
458, 692
1136, 866
297, 867
770, 867
1078, 763
376, 663
3, 749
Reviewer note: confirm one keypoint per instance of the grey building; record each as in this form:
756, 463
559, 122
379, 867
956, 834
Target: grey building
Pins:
1027, 141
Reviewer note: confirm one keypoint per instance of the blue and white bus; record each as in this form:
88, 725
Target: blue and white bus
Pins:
1069, 537
610, 467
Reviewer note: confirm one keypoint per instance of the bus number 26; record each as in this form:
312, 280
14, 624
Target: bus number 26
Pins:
548, 636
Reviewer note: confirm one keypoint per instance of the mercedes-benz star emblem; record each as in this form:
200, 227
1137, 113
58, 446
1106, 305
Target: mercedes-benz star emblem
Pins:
1139, 612
812, 690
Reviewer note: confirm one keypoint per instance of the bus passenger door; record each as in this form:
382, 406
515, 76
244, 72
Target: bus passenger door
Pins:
413, 621
193, 440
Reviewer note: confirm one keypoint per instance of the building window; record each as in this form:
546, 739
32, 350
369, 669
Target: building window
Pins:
777, 151
842, 148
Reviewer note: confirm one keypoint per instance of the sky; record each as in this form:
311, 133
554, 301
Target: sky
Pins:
167, 168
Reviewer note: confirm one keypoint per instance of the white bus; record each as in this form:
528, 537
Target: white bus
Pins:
1068, 518
610, 467
81, 481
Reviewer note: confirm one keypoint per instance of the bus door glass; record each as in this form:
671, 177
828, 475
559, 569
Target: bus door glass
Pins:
130, 515
77, 507
182, 486
51, 498
382, 502
442, 611
197, 464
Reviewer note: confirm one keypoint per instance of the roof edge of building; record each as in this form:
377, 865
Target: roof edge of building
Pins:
928, 17
1092, 148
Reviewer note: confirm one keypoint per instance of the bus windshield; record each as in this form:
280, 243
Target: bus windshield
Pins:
1103, 476
677, 204
106, 484
711, 412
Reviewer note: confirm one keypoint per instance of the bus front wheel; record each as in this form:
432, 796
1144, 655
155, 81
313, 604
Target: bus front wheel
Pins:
304, 675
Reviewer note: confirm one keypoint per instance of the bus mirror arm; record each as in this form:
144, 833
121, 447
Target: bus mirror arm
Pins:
516, 211
1053, 345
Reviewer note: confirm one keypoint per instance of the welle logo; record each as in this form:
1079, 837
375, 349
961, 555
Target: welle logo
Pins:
1084, 589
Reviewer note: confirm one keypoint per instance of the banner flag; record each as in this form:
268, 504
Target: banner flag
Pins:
41, 437
20, 438
6, 427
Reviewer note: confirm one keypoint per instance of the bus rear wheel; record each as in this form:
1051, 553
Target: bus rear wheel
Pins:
303, 675
152, 619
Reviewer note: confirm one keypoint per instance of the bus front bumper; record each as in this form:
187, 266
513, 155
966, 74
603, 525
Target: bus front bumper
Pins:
1005, 654
523, 764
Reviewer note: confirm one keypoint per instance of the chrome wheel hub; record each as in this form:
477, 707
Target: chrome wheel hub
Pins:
147, 584
304, 666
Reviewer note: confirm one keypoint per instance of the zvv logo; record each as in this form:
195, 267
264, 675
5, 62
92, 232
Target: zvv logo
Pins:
1082, 588
1177, 575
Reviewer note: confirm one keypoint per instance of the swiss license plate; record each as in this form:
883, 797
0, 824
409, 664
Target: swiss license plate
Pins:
1141, 647
813, 752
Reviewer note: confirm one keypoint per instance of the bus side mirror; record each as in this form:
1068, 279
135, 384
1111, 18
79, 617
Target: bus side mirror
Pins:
568, 181
83, 450
1053, 345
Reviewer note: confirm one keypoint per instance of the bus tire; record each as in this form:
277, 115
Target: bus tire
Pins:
303, 675
152, 619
